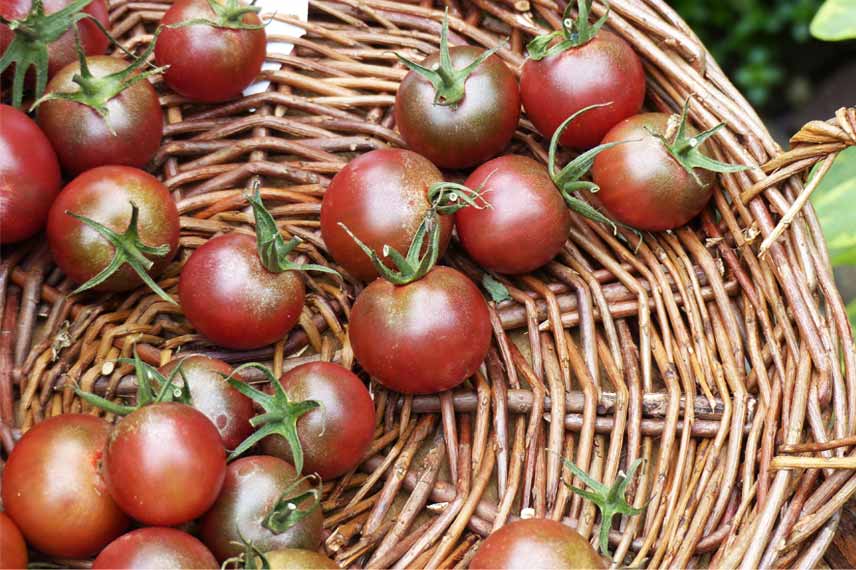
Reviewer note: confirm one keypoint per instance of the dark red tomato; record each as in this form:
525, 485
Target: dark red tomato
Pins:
424, 337
155, 548
165, 463
62, 51
82, 137
29, 176
382, 197
208, 63
252, 488
641, 183
527, 222
231, 298
298, 559
335, 436
536, 544
104, 194
53, 490
13, 549
479, 127
603, 70
229, 410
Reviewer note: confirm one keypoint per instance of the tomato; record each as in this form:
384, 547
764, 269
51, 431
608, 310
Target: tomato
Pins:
382, 197
211, 63
230, 297
527, 222
155, 548
82, 137
335, 436
533, 544
424, 337
29, 176
13, 549
252, 489
298, 559
54, 492
229, 410
165, 463
105, 195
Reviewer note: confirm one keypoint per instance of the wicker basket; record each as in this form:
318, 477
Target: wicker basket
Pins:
726, 363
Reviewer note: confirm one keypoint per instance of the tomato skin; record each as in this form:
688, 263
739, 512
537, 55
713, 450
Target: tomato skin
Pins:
603, 70
335, 436
104, 195
527, 223
381, 197
642, 184
423, 337
534, 544
229, 410
80, 135
53, 490
29, 176
209, 64
13, 549
251, 489
479, 127
155, 548
165, 463
231, 298
298, 559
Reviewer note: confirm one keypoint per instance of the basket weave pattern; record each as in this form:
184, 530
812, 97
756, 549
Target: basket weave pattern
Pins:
712, 355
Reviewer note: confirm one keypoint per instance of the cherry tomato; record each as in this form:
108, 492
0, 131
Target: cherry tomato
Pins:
210, 63
602, 70
382, 197
82, 138
335, 436
470, 132
165, 463
252, 489
527, 223
229, 410
155, 548
534, 544
29, 176
298, 559
641, 183
231, 298
13, 549
54, 492
424, 337
105, 194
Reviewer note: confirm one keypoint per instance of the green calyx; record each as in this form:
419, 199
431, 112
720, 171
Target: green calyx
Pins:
96, 92
449, 83
250, 559
280, 414
229, 14
129, 249
446, 198
609, 500
686, 149
149, 378
287, 511
574, 33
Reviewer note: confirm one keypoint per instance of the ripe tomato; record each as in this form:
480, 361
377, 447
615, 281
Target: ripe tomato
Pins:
54, 492
423, 337
298, 559
253, 489
527, 223
534, 544
335, 436
155, 547
206, 62
105, 195
382, 197
229, 410
82, 137
165, 463
13, 549
29, 176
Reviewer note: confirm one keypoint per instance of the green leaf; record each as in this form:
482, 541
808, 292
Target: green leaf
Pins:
835, 21
833, 201
497, 290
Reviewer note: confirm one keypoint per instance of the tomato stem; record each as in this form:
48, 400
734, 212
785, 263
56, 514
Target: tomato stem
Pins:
287, 511
448, 197
575, 32
228, 16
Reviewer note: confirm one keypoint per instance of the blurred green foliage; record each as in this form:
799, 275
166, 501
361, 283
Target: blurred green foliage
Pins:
835, 21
